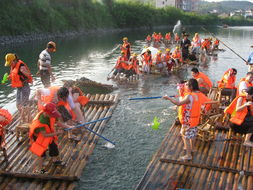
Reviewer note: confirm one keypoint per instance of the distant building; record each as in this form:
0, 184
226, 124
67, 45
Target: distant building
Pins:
185, 5
248, 13
164, 3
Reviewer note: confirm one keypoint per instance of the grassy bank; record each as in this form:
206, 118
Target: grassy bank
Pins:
43, 16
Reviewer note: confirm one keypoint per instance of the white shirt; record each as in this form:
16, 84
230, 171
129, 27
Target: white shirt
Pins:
44, 60
242, 86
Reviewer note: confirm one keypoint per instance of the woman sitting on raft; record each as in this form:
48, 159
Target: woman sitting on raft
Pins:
241, 110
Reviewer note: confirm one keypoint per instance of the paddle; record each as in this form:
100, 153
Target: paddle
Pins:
108, 77
224, 44
5, 78
151, 97
83, 125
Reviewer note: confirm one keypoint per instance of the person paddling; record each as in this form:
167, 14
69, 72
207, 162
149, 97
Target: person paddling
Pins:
191, 103
43, 136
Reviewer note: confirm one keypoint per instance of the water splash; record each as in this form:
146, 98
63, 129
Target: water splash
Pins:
177, 27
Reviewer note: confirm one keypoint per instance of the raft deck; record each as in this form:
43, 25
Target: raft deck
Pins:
18, 172
219, 164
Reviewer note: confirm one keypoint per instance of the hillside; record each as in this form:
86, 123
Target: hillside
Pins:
224, 6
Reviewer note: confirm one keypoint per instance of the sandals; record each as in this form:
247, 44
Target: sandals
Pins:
185, 158
59, 163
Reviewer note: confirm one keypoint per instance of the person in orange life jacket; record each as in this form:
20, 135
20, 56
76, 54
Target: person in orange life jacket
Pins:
126, 47
216, 44
185, 44
146, 61
55, 94
241, 110
5, 119
168, 60
227, 83
167, 38
159, 63
133, 67
44, 64
245, 83
177, 56
20, 77
205, 84
148, 40
192, 102
176, 38
43, 136
120, 66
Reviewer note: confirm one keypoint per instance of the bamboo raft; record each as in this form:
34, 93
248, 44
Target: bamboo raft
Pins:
18, 172
220, 164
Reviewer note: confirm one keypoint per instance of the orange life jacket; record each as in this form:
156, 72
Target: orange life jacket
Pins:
67, 106
193, 120
216, 42
227, 81
247, 84
237, 117
147, 59
166, 57
48, 98
148, 38
177, 55
135, 65
177, 38
167, 37
8, 119
205, 79
125, 48
158, 59
41, 144
16, 79
120, 64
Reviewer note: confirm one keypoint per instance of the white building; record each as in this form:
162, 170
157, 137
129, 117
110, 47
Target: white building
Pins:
185, 5
164, 3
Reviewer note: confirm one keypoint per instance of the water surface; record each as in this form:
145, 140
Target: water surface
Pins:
130, 126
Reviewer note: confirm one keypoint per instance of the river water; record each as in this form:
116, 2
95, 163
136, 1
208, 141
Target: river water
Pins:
130, 127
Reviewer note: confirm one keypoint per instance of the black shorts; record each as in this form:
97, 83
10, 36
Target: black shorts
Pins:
53, 149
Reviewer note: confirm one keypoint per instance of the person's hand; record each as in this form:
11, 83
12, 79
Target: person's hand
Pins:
247, 62
250, 103
166, 97
60, 131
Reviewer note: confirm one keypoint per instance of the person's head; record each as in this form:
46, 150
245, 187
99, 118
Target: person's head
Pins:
51, 46
5, 117
196, 34
125, 39
192, 85
194, 72
233, 71
10, 58
63, 93
177, 48
51, 110
148, 51
134, 55
186, 36
167, 50
249, 76
159, 52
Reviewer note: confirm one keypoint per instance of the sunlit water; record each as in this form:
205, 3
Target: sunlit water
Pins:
123, 166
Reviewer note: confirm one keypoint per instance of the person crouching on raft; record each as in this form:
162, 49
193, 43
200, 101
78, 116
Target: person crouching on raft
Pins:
43, 136
190, 117
5, 119
241, 110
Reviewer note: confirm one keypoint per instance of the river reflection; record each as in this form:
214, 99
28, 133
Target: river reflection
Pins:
130, 126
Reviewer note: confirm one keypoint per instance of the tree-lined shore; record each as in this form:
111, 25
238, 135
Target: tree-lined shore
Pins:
39, 18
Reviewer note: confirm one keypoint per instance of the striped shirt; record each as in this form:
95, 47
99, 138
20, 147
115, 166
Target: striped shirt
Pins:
44, 60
